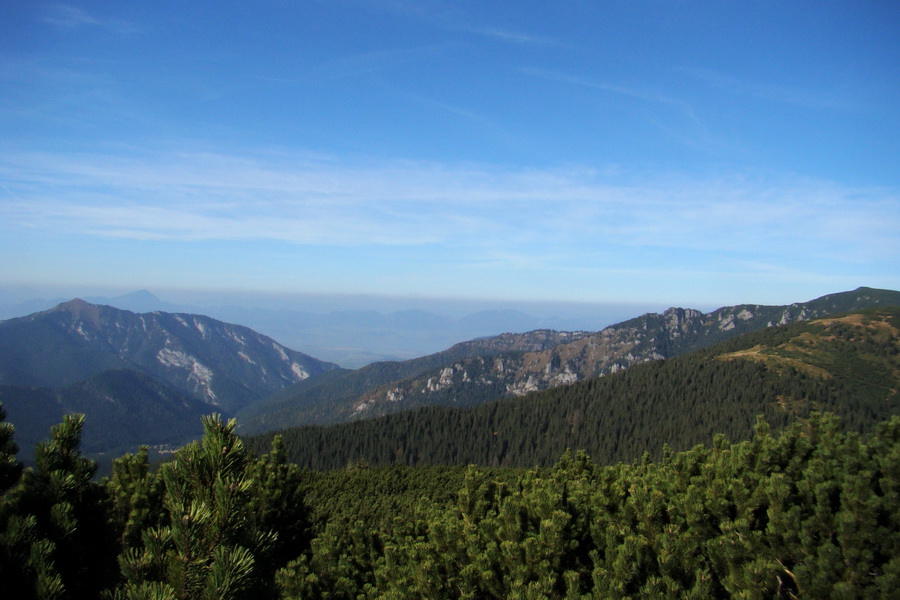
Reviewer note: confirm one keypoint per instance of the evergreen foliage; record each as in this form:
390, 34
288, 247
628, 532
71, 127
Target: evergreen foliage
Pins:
136, 494
211, 544
810, 512
10, 467
54, 538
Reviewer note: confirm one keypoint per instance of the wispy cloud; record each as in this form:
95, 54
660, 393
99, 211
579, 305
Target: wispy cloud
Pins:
631, 92
368, 63
453, 16
478, 209
513, 37
774, 92
672, 116
66, 16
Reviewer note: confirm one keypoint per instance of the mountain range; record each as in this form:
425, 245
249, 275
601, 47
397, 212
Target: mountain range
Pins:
355, 336
144, 378
486, 369
848, 366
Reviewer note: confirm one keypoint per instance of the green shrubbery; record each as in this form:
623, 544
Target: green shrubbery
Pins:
812, 512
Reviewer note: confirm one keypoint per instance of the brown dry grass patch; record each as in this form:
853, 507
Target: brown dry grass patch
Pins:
776, 362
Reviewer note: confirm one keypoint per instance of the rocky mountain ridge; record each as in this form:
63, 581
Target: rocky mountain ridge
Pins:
518, 364
329, 398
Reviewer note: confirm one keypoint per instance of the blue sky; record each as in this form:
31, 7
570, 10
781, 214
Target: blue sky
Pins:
694, 153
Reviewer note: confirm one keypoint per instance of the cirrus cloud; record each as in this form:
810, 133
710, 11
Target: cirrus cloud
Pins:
321, 201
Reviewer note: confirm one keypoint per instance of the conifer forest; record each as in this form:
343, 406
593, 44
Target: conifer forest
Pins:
810, 511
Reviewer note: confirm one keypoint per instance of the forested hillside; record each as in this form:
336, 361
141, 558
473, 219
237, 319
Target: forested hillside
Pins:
849, 366
811, 512
124, 406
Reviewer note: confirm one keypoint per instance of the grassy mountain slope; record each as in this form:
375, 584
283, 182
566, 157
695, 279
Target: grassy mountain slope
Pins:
515, 364
849, 366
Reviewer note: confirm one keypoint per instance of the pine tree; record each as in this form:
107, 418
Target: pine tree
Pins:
209, 549
56, 523
26, 564
10, 467
277, 504
137, 497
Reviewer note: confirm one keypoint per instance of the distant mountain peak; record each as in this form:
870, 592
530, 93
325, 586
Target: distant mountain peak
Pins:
73, 304
79, 309
142, 295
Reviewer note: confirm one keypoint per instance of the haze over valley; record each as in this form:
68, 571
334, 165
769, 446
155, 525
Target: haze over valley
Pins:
354, 331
